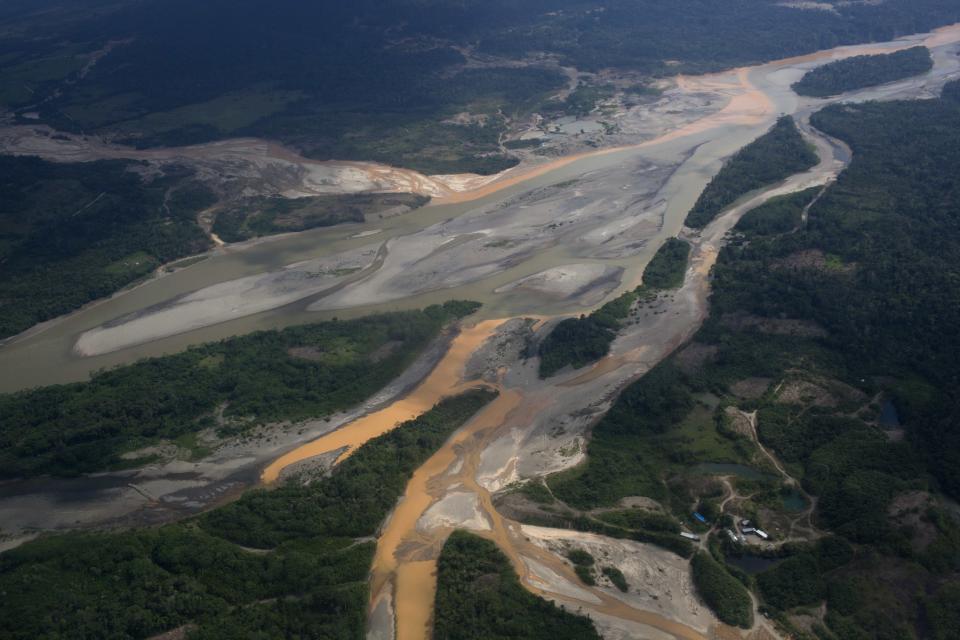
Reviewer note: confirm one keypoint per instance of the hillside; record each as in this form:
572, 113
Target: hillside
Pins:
116, 68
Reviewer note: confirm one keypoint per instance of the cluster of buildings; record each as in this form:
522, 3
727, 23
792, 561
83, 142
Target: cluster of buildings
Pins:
747, 529
737, 533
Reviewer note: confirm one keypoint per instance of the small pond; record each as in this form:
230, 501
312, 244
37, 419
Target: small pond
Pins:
889, 417
793, 500
751, 564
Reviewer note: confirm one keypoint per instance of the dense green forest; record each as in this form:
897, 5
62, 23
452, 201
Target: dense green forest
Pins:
816, 326
864, 71
310, 582
376, 80
231, 385
778, 215
668, 266
74, 232
774, 156
256, 217
480, 598
721, 591
704, 35
578, 342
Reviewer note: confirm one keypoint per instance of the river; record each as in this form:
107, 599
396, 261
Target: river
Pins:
403, 575
499, 444
757, 95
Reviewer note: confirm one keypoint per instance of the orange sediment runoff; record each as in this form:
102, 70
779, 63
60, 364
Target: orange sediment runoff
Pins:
748, 105
415, 580
444, 380
943, 35
406, 556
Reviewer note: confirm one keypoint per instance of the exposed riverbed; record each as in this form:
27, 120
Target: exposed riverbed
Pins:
610, 211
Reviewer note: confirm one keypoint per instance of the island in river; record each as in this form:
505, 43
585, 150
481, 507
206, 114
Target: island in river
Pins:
536, 428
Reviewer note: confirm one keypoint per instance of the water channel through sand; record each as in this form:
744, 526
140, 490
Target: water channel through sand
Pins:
756, 95
404, 570
403, 573
444, 380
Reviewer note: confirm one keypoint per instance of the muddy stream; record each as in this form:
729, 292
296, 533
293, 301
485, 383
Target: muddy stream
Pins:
403, 574
403, 580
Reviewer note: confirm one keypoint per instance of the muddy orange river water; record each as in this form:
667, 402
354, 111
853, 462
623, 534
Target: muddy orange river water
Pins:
404, 568
444, 380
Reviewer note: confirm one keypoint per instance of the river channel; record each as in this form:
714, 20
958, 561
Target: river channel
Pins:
491, 449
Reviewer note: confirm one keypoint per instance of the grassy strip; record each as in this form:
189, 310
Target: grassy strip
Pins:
269, 215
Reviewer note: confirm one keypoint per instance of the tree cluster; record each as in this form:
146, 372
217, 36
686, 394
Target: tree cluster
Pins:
231, 385
860, 72
309, 582
778, 154
480, 598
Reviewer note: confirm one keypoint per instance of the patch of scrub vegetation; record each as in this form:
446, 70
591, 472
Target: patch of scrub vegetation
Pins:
74, 232
774, 156
537, 492
617, 578
641, 519
480, 597
85, 427
860, 72
651, 438
583, 566
723, 593
668, 266
311, 581
582, 100
578, 342
779, 215
580, 558
256, 217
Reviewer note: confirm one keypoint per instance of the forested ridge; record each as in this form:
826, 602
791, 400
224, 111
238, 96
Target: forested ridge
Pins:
864, 71
479, 597
310, 580
74, 232
373, 80
230, 386
817, 325
774, 156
